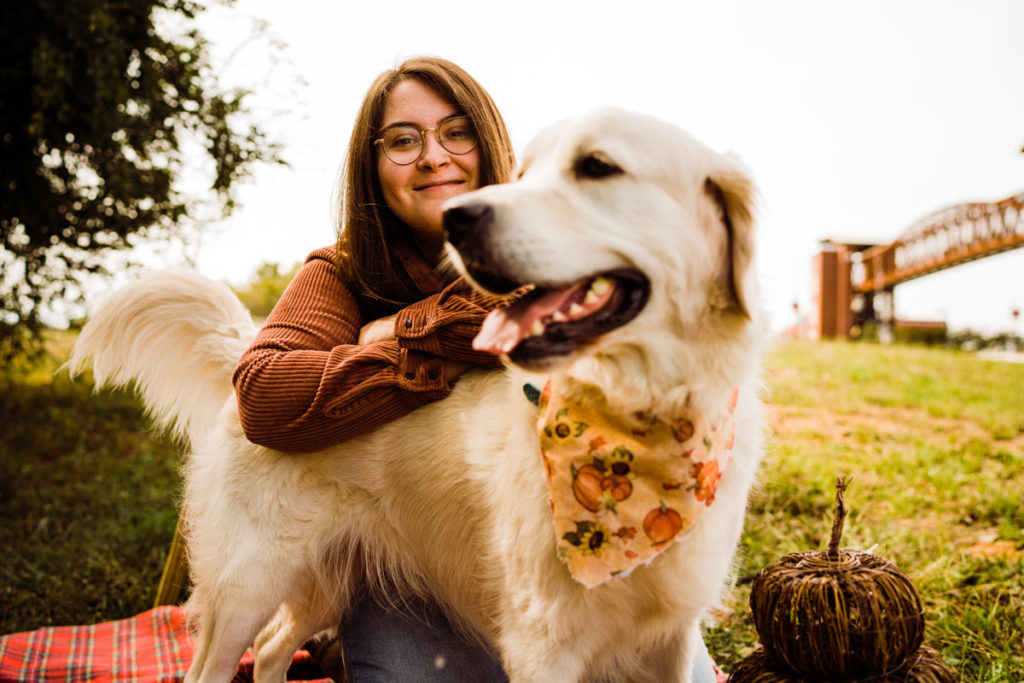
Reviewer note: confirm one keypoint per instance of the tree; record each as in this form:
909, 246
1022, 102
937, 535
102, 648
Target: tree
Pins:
265, 287
101, 117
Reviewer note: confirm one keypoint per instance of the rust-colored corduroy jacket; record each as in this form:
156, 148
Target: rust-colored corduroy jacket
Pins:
305, 384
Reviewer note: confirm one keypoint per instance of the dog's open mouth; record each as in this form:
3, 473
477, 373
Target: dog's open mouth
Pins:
554, 321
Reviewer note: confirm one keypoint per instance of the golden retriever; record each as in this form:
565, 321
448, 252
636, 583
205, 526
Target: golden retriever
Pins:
451, 502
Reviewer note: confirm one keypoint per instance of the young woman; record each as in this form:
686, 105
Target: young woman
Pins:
371, 328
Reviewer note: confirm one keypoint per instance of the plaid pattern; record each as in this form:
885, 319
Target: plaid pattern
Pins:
153, 647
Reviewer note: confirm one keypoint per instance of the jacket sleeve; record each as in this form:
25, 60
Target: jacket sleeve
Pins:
445, 324
305, 383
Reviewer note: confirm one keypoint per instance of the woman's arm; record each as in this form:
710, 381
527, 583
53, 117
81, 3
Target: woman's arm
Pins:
446, 323
306, 383
383, 329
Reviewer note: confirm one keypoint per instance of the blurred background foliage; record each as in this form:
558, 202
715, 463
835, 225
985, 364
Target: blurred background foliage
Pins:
115, 128
265, 287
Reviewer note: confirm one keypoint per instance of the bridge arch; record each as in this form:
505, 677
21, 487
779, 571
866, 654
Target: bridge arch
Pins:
855, 282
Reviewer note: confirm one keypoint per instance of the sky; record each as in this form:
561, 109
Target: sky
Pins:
855, 118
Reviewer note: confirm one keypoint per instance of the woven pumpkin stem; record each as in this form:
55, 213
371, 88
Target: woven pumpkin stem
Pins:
837, 525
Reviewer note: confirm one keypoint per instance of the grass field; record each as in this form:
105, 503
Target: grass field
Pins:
933, 440
87, 500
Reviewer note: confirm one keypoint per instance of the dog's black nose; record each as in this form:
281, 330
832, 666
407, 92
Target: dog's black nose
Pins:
460, 221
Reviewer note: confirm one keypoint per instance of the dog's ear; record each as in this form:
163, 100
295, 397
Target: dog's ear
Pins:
733, 192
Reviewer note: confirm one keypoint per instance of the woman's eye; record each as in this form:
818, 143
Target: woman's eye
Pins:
458, 133
403, 140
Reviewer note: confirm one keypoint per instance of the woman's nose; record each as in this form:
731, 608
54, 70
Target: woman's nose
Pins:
434, 154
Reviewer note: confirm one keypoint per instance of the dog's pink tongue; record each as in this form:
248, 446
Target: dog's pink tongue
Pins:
499, 334
504, 328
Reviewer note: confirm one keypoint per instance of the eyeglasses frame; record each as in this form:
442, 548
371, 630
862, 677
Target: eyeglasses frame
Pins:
423, 138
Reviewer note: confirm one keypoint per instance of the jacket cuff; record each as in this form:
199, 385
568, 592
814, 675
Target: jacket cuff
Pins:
415, 328
420, 372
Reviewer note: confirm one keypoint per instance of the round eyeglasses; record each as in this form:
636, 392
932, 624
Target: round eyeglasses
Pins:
403, 143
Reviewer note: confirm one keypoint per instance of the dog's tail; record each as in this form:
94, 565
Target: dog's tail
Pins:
177, 336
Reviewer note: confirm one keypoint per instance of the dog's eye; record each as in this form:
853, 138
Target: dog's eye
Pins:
594, 166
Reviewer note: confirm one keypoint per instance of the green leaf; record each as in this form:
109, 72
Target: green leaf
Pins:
622, 453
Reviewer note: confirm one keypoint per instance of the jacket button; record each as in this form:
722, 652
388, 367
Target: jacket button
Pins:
410, 375
432, 374
408, 323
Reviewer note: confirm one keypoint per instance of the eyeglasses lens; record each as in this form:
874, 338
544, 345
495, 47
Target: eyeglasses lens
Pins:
404, 144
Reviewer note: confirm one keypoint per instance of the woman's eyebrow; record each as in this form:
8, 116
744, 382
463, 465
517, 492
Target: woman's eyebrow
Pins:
410, 124
399, 124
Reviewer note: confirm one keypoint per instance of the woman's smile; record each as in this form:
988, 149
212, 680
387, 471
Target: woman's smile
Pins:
439, 185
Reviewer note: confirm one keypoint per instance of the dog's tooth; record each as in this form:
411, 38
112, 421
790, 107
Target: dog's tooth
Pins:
590, 298
537, 328
559, 317
600, 285
575, 310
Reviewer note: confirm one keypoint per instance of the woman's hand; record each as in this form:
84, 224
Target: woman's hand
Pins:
381, 329
454, 368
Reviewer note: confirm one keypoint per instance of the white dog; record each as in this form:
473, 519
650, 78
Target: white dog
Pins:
638, 240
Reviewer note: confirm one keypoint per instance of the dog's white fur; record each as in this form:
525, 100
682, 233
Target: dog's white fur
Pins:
450, 501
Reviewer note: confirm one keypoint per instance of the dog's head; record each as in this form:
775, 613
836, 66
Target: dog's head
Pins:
625, 225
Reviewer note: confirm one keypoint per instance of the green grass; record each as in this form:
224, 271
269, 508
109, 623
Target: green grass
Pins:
87, 501
933, 440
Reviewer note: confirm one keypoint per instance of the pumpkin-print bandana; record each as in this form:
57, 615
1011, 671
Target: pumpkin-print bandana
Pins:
623, 490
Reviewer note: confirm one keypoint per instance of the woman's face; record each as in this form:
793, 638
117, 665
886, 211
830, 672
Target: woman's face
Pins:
417, 191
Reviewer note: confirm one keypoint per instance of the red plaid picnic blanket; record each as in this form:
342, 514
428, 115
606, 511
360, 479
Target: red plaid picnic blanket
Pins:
153, 647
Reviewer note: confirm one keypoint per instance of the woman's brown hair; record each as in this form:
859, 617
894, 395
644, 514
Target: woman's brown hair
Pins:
367, 227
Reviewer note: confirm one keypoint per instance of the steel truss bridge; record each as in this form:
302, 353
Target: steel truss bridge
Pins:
855, 282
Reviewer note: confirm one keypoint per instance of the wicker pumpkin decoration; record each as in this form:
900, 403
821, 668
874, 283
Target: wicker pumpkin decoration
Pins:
838, 614
924, 666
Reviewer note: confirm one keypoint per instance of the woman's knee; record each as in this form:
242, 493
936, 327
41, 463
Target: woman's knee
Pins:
384, 645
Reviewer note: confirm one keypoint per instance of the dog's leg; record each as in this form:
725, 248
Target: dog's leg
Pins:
274, 647
541, 671
533, 660
672, 661
294, 623
529, 661
224, 635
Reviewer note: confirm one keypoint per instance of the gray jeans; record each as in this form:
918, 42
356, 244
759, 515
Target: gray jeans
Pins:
418, 645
